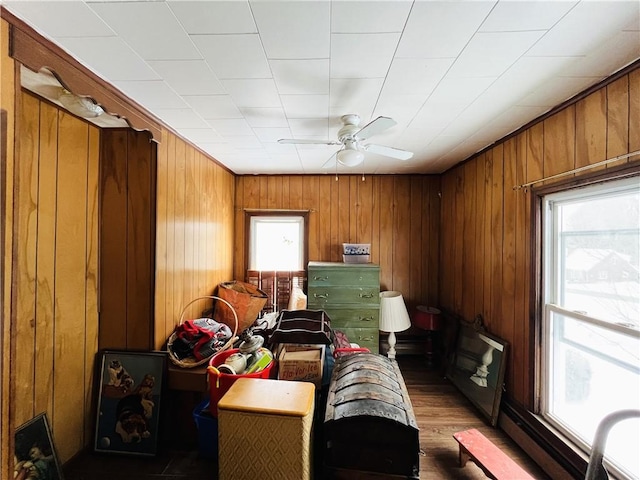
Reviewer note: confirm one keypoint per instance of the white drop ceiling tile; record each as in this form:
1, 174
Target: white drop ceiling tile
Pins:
60, 18
369, 17
354, 91
460, 91
245, 142
280, 149
271, 135
416, 75
180, 118
254, 93
293, 29
109, 57
490, 54
301, 76
585, 27
200, 135
216, 17
218, 149
265, 117
362, 55
441, 29
234, 56
566, 87
305, 106
402, 108
621, 49
231, 127
525, 15
188, 77
152, 94
309, 127
150, 28
213, 106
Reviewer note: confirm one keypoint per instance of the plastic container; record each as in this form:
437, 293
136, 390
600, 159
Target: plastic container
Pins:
220, 382
355, 258
349, 249
207, 431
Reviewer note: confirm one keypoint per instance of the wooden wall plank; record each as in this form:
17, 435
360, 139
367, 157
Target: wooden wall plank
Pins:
45, 307
140, 228
591, 129
113, 241
634, 112
618, 119
324, 214
469, 241
386, 237
488, 234
507, 322
180, 293
559, 142
479, 236
160, 294
401, 238
70, 286
25, 244
92, 282
494, 321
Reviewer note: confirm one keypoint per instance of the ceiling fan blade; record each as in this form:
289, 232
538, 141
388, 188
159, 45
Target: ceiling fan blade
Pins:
374, 127
331, 162
308, 141
389, 151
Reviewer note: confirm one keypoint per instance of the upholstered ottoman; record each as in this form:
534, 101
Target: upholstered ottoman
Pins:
264, 430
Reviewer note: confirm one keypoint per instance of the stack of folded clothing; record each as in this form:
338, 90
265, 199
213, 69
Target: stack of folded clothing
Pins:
200, 338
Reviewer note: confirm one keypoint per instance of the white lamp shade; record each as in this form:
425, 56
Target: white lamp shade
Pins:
393, 312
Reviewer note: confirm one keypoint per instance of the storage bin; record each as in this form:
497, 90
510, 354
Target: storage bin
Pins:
207, 431
356, 248
220, 382
355, 258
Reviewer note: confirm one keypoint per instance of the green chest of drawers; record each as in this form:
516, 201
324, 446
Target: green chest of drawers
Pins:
350, 294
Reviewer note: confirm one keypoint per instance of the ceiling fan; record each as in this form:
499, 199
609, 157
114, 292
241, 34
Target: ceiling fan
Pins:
351, 136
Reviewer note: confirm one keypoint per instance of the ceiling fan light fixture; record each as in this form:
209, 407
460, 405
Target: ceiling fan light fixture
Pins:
350, 158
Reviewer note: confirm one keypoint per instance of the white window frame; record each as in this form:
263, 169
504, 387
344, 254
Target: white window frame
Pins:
550, 299
265, 217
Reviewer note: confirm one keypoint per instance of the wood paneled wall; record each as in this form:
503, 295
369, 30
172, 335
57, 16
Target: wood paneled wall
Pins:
7, 107
55, 314
194, 235
487, 226
127, 239
397, 214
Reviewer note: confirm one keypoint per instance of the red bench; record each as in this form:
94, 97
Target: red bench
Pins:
494, 462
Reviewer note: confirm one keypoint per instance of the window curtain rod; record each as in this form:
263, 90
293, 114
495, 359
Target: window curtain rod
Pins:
580, 169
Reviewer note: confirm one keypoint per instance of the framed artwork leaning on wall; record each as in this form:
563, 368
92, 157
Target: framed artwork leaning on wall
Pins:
35, 454
129, 397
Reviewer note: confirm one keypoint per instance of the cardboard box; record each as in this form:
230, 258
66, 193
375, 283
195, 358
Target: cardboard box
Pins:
301, 363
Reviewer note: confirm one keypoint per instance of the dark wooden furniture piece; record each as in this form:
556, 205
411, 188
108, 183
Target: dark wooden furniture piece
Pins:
370, 430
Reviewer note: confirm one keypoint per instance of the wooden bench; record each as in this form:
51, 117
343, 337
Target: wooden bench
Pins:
494, 462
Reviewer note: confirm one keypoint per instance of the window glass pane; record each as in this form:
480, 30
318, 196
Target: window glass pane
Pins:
594, 372
277, 243
599, 256
591, 344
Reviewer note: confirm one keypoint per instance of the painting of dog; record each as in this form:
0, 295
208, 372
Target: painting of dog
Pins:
129, 401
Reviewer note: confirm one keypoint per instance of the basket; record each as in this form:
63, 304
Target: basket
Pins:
247, 300
191, 362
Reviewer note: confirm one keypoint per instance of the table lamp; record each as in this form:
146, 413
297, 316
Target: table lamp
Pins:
393, 317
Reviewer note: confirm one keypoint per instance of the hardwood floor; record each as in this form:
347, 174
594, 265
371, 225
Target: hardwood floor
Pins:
439, 408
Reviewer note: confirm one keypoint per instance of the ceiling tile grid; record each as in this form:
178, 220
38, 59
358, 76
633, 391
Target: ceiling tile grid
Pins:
233, 77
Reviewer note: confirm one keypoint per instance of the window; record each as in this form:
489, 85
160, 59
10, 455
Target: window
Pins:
591, 325
276, 252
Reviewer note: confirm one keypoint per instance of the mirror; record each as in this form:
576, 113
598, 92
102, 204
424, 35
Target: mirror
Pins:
477, 366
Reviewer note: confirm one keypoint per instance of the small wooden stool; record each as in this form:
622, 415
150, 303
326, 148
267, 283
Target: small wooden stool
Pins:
264, 430
494, 462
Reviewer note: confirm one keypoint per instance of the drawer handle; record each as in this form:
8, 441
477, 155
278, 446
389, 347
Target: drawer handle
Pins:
365, 339
366, 295
321, 279
366, 319
320, 295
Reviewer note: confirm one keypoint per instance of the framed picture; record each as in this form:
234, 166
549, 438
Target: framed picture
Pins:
35, 455
477, 367
129, 398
